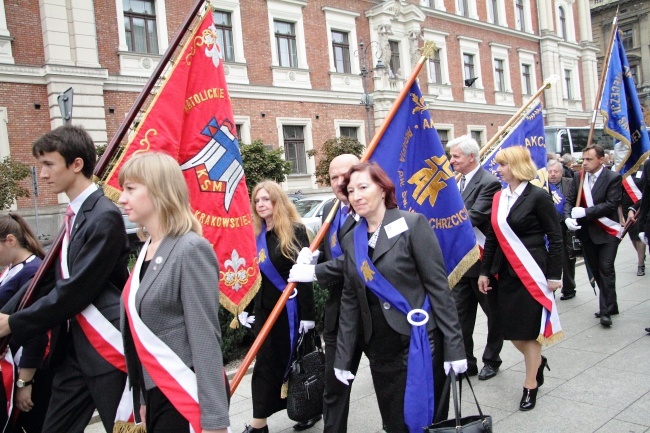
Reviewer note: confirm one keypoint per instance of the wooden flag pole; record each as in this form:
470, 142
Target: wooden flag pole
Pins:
427, 51
53, 254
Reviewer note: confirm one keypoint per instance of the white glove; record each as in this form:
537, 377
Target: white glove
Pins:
643, 238
578, 212
306, 257
245, 319
459, 366
306, 325
572, 224
301, 274
343, 376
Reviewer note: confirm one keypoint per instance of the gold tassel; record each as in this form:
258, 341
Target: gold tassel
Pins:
284, 391
550, 340
463, 266
128, 427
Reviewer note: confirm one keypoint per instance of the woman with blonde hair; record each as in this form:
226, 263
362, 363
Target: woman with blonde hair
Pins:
172, 339
523, 219
280, 237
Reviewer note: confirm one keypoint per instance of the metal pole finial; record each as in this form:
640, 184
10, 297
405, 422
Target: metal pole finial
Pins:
429, 49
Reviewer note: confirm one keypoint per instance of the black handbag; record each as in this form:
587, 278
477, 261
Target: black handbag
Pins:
306, 379
470, 424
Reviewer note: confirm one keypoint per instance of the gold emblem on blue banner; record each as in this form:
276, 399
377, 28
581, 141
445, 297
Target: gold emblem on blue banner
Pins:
429, 181
262, 256
367, 272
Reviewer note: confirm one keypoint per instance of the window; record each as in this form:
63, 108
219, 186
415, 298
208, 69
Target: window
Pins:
520, 15
294, 148
140, 26
223, 24
499, 76
627, 38
463, 7
478, 136
525, 80
394, 64
443, 134
285, 38
493, 6
562, 14
349, 131
468, 62
238, 127
434, 68
634, 73
341, 51
567, 82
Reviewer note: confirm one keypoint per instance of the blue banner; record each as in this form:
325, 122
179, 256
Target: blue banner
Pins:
529, 133
622, 112
411, 153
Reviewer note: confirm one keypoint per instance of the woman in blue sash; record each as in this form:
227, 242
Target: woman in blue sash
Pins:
396, 304
525, 251
280, 237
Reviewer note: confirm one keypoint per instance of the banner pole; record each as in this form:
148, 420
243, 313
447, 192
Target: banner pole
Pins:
427, 51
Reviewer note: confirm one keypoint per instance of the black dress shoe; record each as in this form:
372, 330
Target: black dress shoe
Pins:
250, 429
540, 371
597, 314
568, 296
528, 399
488, 372
647, 330
605, 320
307, 424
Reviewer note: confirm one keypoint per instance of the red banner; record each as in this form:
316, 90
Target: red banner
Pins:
191, 119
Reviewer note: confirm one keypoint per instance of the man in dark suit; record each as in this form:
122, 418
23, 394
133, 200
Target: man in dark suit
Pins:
336, 400
598, 224
89, 277
562, 186
477, 187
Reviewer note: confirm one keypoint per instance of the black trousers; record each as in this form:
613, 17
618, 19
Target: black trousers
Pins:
600, 259
468, 298
336, 399
568, 263
162, 416
75, 397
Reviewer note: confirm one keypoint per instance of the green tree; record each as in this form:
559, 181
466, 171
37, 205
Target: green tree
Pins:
261, 163
11, 173
330, 150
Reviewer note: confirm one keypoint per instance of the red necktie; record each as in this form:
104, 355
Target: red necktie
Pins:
69, 215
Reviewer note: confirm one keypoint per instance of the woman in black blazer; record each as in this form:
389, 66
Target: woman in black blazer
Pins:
524, 219
385, 320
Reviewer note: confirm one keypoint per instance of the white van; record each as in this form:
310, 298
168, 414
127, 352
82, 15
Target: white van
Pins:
572, 139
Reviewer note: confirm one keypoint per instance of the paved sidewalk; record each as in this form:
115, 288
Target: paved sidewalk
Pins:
599, 379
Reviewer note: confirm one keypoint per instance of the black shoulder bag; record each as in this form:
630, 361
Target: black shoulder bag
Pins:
306, 379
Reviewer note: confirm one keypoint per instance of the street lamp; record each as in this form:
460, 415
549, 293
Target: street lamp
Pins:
366, 98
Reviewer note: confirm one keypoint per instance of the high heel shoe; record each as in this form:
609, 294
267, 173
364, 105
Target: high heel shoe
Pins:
528, 399
640, 271
250, 429
540, 371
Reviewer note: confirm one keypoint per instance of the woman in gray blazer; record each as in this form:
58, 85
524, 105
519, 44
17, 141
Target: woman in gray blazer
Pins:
396, 304
172, 339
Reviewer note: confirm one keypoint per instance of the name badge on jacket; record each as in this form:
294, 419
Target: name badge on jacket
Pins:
396, 227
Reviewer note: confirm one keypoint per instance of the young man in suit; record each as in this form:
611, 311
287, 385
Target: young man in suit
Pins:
336, 399
477, 187
597, 224
90, 277
562, 186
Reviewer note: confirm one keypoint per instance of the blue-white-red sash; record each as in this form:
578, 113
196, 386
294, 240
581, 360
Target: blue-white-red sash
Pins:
609, 226
105, 338
558, 198
418, 396
273, 275
480, 240
170, 374
527, 269
632, 190
336, 225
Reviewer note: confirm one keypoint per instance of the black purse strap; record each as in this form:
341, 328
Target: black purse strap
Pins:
451, 380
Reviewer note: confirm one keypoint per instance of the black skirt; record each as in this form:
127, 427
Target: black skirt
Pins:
520, 314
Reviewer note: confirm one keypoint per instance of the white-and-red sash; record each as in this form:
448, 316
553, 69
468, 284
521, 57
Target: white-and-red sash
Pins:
632, 190
609, 226
105, 339
526, 268
175, 379
8, 379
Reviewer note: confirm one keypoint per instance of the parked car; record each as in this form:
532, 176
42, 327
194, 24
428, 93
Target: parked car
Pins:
310, 209
295, 196
132, 232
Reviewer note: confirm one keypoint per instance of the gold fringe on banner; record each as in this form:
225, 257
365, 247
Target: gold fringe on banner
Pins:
463, 266
128, 427
238, 309
550, 340
284, 391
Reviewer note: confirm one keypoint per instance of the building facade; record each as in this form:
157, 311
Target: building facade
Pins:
299, 72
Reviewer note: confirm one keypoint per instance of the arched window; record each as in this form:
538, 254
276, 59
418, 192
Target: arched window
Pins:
563, 23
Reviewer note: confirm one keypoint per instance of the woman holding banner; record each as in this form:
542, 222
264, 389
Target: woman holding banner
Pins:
172, 339
523, 219
396, 304
280, 237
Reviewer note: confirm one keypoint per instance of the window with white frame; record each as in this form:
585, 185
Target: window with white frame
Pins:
285, 43
634, 72
350, 128
349, 131
394, 65
342, 39
140, 26
527, 68
435, 69
562, 27
341, 51
627, 37
443, 134
287, 34
471, 60
499, 76
223, 24
243, 125
568, 84
493, 11
469, 71
501, 62
520, 15
463, 7
294, 148
438, 65
4, 134
526, 83
6, 54
478, 135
